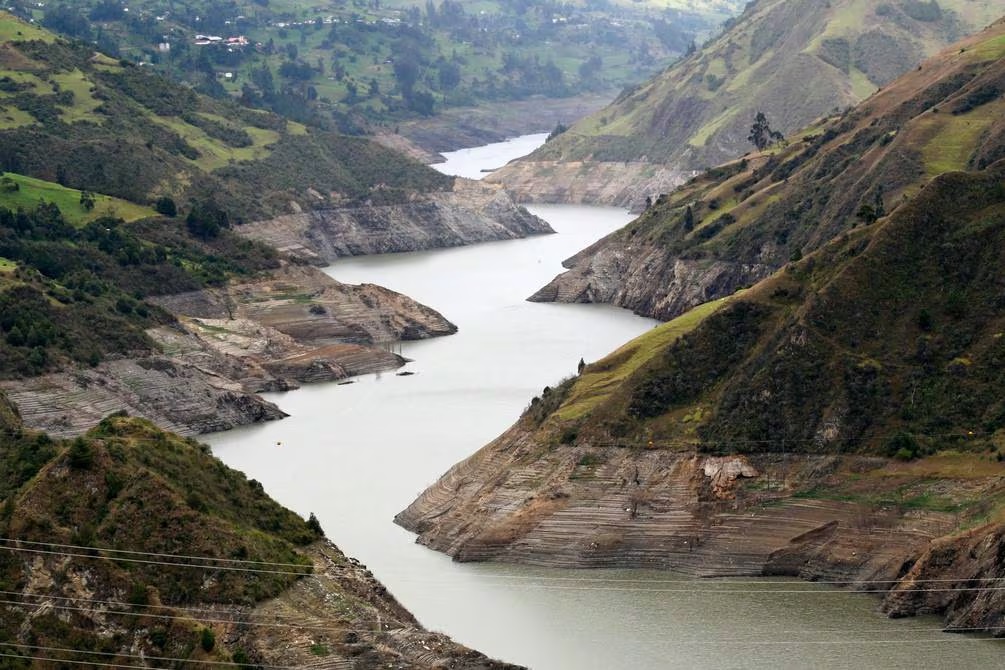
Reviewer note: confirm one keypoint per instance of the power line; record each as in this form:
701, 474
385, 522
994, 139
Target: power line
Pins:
356, 622
147, 553
117, 603
229, 568
140, 656
724, 580
719, 641
172, 617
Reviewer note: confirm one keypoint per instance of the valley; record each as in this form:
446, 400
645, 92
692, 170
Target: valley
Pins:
756, 421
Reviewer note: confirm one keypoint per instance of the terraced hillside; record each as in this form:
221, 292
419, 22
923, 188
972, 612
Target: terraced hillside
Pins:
794, 60
739, 222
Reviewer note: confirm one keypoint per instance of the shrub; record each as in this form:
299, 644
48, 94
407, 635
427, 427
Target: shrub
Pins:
207, 639
903, 447
166, 206
81, 456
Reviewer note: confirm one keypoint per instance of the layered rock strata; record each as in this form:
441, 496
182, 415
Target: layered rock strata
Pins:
581, 506
472, 212
271, 334
646, 279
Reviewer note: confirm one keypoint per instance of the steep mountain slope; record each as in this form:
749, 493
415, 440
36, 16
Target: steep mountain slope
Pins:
739, 222
133, 546
794, 60
86, 121
841, 419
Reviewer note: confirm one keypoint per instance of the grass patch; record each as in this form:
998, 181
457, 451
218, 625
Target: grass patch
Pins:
14, 30
84, 102
215, 154
12, 117
991, 49
602, 378
954, 138
32, 190
860, 84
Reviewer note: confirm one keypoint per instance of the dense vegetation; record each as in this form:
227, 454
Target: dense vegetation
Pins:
149, 492
76, 294
353, 63
86, 122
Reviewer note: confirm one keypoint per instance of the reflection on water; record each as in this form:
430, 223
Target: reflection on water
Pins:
357, 454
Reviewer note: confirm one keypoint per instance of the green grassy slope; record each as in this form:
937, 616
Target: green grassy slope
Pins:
887, 338
31, 191
70, 116
882, 333
793, 60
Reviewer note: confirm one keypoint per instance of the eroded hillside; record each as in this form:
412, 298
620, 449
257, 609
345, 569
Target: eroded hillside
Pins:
133, 546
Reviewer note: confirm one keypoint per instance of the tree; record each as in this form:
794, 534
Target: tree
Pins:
166, 206
688, 219
761, 134
87, 200
206, 219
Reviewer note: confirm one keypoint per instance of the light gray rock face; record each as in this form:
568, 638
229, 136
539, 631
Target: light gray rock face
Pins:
179, 397
646, 279
613, 183
473, 212
296, 326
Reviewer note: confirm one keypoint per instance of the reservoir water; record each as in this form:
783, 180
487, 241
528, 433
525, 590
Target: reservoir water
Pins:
357, 454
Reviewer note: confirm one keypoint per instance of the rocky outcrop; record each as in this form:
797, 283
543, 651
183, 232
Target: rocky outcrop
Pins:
617, 183
295, 326
472, 212
584, 506
342, 617
973, 560
179, 397
646, 278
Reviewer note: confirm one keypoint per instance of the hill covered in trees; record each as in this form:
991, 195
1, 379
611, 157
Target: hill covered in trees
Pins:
83, 120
